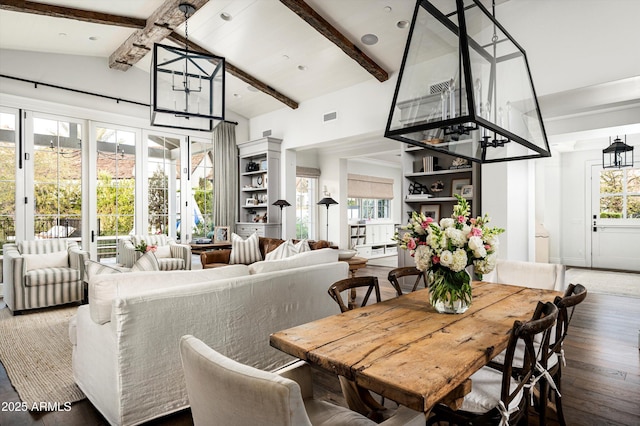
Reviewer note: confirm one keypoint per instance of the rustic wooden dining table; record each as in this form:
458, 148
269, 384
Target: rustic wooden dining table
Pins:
404, 350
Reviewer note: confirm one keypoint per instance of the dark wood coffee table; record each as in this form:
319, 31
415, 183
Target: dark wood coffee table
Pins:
199, 248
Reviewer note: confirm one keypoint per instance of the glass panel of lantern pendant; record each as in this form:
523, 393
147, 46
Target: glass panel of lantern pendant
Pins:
470, 97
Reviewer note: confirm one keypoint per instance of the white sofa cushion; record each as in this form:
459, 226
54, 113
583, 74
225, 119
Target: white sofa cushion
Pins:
58, 259
103, 289
313, 257
245, 251
163, 252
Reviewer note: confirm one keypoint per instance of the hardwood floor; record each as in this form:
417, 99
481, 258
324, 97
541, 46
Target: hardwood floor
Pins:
600, 384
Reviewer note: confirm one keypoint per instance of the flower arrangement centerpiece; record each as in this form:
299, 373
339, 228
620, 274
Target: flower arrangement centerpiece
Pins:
445, 249
143, 247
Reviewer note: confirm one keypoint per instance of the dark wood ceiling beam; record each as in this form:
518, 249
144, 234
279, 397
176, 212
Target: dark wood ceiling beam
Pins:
311, 17
157, 27
69, 13
237, 72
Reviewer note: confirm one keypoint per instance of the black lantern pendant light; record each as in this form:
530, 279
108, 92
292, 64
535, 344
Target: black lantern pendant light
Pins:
187, 87
465, 88
618, 154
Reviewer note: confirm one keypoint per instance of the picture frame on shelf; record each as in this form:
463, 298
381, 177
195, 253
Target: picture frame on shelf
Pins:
250, 202
263, 165
221, 234
458, 184
431, 210
467, 191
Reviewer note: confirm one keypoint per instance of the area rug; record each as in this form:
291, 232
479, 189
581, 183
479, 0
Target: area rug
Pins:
605, 282
36, 353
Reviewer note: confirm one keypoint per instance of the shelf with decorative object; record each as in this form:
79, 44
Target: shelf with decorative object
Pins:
259, 183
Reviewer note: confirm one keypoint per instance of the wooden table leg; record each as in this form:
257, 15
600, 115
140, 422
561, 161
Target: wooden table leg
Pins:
360, 400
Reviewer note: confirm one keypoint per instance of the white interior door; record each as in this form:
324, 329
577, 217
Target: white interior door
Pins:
615, 213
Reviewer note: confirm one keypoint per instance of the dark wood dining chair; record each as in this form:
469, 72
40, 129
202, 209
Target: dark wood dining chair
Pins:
500, 396
573, 296
348, 284
406, 271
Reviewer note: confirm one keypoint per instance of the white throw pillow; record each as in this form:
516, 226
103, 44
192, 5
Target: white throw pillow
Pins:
93, 268
163, 252
245, 251
58, 259
284, 250
313, 257
302, 245
147, 262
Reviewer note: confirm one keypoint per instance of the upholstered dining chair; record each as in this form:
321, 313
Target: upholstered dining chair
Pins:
501, 396
42, 273
406, 271
547, 276
349, 284
226, 392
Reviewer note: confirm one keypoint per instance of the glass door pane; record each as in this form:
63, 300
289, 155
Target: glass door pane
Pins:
202, 188
8, 144
115, 189
163, 164
57, 159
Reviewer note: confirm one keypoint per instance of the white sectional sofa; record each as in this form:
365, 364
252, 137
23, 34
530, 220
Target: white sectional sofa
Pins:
125, 341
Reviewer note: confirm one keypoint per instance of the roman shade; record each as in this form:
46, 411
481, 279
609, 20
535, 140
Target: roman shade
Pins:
308, 172
362, 186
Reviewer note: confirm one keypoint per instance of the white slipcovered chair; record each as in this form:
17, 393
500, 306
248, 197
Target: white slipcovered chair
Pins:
225, 392
41, 273
171, 255
547, 276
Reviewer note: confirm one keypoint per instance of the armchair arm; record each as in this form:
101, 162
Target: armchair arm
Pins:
215, 256
77, 259
181, 251
12, 269
128, 253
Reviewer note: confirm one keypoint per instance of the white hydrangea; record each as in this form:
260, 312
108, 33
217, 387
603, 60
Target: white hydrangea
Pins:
466, 229
480, 252
447, 222
457, 237
485, 266
459, 261
436, 242
423, 257
446, 258
493, 241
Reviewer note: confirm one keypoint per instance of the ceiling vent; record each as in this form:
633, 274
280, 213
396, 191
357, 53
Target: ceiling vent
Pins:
439, 87
330, 116
266, 133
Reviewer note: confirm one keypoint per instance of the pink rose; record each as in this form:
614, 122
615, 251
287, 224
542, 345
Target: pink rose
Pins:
152, 248
411, 244
435, 259
460, 219
427, 222
475, 232
472, 221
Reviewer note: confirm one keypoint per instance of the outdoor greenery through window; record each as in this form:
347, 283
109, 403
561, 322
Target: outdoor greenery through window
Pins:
7, 178
620, 194
202, 188
368, 209
305, 207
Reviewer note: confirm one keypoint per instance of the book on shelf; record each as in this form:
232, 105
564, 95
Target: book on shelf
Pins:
417, 196
429, 163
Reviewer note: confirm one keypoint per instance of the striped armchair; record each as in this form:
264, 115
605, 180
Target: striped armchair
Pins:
171, 255
42, 273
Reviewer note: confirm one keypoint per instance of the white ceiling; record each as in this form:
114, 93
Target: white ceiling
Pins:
571, 44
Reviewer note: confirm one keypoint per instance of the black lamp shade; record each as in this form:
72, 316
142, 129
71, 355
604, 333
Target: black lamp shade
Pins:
281, 203
465, 88
327, 201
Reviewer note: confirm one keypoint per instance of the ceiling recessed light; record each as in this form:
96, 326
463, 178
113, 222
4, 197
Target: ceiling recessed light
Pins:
62, 34
402, 24
93, 38
369, 39
387, 9
252, 89
285, 57
226, 16
237, 95
302, 67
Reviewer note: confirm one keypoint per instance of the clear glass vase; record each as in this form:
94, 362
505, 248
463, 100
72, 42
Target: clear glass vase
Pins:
450, 292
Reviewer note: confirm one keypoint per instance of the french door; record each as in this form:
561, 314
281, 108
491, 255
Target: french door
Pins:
615, 218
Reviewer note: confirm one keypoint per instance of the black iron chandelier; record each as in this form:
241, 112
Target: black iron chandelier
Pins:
618, 154
187, 86
465, 88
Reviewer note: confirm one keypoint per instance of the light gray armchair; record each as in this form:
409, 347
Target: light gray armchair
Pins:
236, 394
171, 255
42, 273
